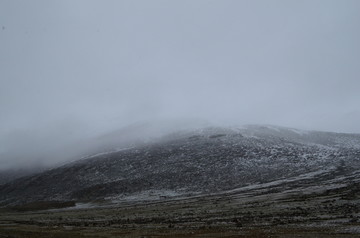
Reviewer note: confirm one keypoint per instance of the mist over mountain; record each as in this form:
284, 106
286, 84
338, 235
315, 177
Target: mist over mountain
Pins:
27, 149
181, 118
72, 72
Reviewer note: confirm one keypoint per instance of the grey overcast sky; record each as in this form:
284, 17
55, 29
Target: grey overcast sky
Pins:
75, 67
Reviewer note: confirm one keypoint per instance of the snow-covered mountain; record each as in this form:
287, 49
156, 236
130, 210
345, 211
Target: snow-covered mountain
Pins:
190, 162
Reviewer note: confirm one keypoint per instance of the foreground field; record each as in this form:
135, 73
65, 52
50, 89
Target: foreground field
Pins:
307, 206
32, 231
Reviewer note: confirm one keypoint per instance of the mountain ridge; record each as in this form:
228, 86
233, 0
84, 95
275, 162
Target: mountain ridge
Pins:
188, 162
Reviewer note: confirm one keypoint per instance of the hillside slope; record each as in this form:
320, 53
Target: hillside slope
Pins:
208, 160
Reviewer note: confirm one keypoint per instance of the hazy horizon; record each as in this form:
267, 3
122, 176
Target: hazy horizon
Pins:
74, 70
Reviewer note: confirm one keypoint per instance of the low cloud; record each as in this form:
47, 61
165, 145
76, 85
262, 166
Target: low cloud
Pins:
72, 71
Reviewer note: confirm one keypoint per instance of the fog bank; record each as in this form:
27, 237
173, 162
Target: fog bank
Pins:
71, 71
